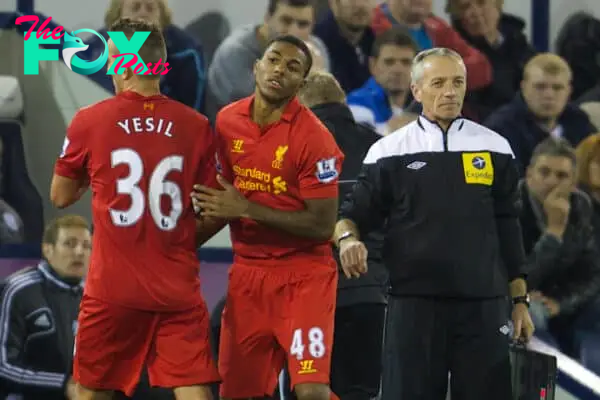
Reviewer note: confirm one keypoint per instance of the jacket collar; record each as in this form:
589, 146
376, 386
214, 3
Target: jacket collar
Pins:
428, 125
328, 111
564, 117
51, 276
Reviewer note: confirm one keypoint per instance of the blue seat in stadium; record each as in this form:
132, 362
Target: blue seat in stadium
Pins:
589, 348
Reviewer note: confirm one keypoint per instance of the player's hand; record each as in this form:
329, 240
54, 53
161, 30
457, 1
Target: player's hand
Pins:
71, 390
353, 256
228, 203
557, 206
523, 325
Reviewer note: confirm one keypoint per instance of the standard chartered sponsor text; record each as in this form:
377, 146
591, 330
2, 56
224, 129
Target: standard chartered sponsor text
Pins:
257, 180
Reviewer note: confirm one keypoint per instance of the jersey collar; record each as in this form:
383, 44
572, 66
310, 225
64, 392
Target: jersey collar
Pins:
292, 108
131, 95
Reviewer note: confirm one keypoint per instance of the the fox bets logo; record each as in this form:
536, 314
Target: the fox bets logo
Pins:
128, 48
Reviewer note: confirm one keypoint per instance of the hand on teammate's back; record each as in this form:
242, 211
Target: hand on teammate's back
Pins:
71, 390
353, 256
228, 203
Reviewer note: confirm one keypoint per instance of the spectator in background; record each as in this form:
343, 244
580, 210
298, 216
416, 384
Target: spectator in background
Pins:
431, 31
230, 76
578, 43
185, 82
361, 303
588, 176
501, 39
563, 264
39, 315
387, 93
541, 109
346, 32
320, 60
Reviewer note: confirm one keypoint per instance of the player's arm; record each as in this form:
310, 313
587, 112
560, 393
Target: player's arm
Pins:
316, 221
207, 227
507, 209
66, 191
213, 163
14, 372
70, 179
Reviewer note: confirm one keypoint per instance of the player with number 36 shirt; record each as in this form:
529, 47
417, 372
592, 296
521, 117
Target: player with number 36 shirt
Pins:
142, 154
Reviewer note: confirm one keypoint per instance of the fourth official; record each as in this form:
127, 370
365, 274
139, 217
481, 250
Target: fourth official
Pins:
446, 190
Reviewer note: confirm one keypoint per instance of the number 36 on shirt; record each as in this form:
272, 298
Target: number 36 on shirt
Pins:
157, 187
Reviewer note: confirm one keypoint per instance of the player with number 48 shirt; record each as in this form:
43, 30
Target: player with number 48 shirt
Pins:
279, 169
141, 153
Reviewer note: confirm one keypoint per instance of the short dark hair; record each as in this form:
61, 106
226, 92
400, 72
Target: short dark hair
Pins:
154, 48
67, 221
554, 147
292, 3
395, 36
299, 43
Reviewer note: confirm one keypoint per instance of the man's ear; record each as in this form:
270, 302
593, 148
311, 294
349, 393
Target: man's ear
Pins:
416, 91
47, 250
372, 62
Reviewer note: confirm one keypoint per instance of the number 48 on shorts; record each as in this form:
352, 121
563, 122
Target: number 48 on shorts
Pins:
316, 346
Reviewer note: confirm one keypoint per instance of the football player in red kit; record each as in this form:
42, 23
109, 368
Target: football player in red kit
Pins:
141, 153
278, 171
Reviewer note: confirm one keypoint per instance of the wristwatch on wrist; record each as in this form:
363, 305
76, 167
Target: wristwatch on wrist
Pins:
344, 236
521, 300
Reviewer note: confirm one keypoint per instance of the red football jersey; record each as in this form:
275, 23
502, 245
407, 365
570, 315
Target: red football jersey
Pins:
142, 155
280, 166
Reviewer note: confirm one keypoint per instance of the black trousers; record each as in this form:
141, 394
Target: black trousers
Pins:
357, 349
426, 339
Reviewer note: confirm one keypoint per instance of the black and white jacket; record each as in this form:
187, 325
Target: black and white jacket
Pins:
38, 320
451, 204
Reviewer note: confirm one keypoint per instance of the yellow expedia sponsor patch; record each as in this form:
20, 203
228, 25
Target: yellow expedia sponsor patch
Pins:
478, 168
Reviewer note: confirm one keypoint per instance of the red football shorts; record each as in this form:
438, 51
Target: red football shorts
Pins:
273, 314
114, 343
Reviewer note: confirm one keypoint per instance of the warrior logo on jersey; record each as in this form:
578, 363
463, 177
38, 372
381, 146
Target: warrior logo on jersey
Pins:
326, 171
